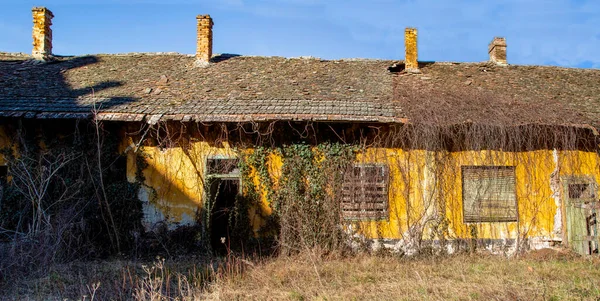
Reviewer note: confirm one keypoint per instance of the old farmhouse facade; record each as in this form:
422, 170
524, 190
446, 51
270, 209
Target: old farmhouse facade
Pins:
405, 153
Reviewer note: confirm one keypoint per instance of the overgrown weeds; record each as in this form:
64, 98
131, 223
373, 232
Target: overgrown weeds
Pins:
323, 275
459, 277
67, 199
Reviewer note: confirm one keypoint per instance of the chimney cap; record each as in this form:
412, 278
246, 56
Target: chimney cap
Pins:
42, 9
205, 17
497, 41
497, 51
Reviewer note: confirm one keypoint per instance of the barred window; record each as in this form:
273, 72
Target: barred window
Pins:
581, 189
489, 194
365, 192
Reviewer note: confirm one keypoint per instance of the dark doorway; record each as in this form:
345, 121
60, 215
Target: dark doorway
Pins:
224, 192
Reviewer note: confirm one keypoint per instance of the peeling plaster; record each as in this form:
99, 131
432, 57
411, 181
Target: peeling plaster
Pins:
154, 213
555, 186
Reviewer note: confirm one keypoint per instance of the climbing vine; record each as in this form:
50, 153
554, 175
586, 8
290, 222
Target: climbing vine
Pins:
304, 197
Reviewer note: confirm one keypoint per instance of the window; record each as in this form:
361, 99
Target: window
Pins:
580, 189
365, 192
222, 167
489, 194
223, 177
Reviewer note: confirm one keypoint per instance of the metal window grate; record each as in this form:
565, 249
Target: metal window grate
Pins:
365, 192
489, 194
583, 191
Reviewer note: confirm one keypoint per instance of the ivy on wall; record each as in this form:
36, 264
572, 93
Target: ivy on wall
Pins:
304, 198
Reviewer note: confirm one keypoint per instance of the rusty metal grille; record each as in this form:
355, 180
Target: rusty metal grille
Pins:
365, 192
489, 194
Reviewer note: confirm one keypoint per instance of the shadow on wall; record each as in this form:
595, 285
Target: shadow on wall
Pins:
28, 86
170, 195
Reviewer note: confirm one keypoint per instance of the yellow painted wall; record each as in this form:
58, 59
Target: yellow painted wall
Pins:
423, 186
174, 180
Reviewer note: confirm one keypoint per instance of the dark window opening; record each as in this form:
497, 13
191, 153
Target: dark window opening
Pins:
3, 172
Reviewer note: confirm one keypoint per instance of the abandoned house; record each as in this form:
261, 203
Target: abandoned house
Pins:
405, 153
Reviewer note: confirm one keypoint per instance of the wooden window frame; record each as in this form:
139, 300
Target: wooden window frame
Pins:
480, 217
348, 187
235, 173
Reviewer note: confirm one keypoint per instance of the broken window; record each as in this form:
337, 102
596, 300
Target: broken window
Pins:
365, 192
489, 194
222, 167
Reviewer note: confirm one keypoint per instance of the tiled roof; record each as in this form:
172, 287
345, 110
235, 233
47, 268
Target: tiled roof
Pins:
448, 93
154, 87
170, 86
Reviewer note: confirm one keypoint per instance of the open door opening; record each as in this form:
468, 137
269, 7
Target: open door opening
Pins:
222, 217
224, 187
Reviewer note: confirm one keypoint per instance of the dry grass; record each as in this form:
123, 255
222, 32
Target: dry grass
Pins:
541, 276
388, 278
181, 279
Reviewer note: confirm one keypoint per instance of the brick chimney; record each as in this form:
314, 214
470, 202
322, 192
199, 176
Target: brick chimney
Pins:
42, 33
410, 46
497, 51
204, 39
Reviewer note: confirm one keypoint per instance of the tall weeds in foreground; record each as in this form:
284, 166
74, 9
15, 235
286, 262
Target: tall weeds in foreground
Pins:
457, 277
51, 210
546, 275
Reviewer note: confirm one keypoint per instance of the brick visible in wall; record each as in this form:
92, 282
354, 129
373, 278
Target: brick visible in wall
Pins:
410, 45
497, 51
42, 32
204, 38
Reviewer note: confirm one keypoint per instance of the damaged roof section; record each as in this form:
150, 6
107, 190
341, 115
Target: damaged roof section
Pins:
485, 93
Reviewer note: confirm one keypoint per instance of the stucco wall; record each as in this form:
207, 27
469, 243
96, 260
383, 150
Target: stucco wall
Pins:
424, 186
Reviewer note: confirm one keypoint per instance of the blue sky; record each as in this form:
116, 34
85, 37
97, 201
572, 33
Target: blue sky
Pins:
538, 32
